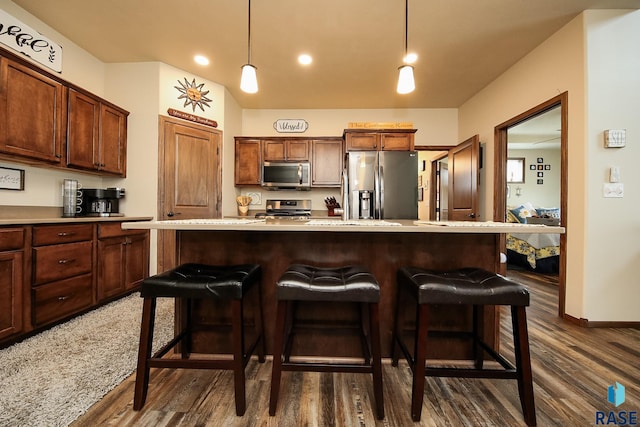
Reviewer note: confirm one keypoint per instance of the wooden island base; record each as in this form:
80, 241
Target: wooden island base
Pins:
383, 253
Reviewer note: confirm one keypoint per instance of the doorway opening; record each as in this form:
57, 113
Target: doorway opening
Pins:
535, 140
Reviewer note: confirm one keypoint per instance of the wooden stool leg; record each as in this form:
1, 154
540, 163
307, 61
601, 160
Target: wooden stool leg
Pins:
478, 334
523, 363
374, 334
144, 352
276, 370
262, 349
420, 357
238, 355
398, 326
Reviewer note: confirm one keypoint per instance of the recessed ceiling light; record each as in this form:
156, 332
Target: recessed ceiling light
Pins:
410, 58
305, 59
202, 60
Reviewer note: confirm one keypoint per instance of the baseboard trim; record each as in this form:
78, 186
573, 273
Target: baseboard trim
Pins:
586, 323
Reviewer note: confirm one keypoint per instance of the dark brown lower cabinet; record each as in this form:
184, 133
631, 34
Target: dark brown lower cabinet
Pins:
52, 272
10, 293
123, 259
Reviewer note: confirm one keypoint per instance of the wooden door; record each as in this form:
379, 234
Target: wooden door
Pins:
136, 259
327, 162
110, 267
190, 178
464, 168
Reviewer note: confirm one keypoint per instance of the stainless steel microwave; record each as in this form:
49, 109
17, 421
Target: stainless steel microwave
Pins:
283, 175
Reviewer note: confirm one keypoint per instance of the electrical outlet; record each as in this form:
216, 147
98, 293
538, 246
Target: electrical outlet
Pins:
613, 190
256, 198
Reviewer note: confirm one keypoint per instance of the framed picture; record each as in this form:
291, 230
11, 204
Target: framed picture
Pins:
540, 167
419, 180
532, 167
11, 179
540, 160
540, 174
540, 181
515, 170
547, 167
420, 194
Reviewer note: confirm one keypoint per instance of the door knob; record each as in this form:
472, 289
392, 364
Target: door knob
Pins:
171, 213
472, 215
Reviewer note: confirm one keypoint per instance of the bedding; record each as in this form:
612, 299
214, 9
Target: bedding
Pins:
537, 252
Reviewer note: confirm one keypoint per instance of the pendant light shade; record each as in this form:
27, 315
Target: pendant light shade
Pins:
249, 78
406, 84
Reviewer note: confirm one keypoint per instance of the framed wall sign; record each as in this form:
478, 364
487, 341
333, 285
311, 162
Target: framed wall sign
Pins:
11, 179
24, 39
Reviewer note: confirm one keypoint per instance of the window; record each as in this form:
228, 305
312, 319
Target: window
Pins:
515, 170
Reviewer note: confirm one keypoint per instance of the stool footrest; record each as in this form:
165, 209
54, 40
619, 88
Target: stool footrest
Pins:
471, 373
326, 367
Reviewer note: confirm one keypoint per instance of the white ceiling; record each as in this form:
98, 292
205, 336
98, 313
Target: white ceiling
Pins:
357, 45
537, 133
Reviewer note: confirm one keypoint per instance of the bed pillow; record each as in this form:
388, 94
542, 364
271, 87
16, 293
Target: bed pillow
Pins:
549, 212
522, 212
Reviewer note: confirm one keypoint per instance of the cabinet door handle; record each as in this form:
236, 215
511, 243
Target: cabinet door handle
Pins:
172, 213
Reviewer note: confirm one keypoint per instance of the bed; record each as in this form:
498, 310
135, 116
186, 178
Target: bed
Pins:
534, 252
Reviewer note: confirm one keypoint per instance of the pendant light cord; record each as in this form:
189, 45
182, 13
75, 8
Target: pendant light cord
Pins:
249, 34
406, 28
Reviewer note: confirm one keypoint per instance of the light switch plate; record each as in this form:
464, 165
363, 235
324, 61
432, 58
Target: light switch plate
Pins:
615, 138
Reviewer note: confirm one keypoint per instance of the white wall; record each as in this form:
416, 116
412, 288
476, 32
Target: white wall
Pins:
578, 59
546, 194
612, 225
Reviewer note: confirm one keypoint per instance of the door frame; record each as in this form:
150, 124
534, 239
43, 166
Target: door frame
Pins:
500, 178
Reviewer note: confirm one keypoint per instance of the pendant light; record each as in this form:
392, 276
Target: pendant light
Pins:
406, 84
249, 80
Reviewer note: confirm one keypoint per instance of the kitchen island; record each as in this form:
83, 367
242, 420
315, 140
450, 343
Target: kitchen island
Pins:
382, 246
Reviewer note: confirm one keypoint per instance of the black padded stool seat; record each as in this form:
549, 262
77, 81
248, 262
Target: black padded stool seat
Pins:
341, 284
199, 281
465, 286
469, 286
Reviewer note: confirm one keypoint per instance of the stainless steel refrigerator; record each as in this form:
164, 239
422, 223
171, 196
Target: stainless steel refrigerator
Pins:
382, 185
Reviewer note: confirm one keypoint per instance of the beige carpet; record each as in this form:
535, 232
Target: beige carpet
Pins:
52, 378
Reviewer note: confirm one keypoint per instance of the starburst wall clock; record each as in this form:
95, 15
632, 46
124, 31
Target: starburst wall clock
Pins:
193, 94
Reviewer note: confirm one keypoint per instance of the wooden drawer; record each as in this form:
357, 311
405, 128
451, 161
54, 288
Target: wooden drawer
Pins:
114, 229
11, 239
57, 262
57, 234
61, 299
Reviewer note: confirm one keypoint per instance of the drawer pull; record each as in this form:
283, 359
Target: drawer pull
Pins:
63, 298
65, 233
65, 261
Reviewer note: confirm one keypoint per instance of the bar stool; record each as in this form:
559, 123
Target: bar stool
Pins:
470, 286
198, 281
344, 284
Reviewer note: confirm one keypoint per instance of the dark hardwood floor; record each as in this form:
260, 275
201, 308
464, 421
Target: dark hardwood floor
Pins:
572, 368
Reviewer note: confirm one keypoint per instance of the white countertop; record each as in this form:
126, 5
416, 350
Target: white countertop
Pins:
377, 226
61, 220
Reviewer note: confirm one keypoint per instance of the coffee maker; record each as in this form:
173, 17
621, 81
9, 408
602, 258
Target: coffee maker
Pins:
102, 202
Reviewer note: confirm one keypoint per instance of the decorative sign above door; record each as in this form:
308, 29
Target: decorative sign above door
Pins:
29, 42
291, 125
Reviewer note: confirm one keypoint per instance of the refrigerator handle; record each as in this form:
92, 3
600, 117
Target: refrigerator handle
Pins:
380, 202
